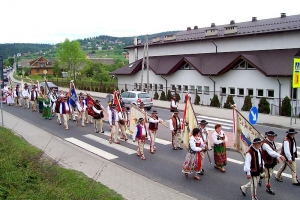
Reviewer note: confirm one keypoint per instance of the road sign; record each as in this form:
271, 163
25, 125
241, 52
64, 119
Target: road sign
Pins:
253, 115
296, 73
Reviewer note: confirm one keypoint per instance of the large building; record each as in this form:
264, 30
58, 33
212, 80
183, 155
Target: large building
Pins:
250, 58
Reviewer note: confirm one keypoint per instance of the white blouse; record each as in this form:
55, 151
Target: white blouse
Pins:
215, 137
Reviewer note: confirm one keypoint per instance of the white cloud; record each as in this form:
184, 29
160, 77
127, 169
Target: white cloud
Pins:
41, 21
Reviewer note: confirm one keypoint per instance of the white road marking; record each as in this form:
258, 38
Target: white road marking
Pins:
283, 174
223, 127
161, 141
91, 148
217, 122
213, 118
235, 161
113, 145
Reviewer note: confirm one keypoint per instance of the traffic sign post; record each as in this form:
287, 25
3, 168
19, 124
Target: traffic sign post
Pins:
295, 84
1, 78
253, 115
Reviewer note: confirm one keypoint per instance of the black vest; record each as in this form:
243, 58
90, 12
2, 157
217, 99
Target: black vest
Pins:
96, 115
153, 126
255, 167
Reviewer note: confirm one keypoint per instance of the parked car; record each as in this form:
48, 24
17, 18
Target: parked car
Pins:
136, 97
50, 84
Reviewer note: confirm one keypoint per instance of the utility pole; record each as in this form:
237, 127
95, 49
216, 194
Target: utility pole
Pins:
143, 67
147, 63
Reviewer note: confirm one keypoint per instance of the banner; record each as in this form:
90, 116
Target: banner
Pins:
73, 97
245, 133
90, 102
135, 114
189, 121
116, 101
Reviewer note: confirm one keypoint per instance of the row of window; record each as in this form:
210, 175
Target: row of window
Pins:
250, 91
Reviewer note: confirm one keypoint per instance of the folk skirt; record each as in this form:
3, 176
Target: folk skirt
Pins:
220, 155
192, 163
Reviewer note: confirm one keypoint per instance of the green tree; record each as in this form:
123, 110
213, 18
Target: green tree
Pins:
228, 102
286, 107
155, 95
162, 96
56, 68
169, 96
69, 53
177, 97
214, 102
264, 106
247, 103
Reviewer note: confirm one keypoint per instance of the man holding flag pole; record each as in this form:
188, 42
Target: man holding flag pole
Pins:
73, 99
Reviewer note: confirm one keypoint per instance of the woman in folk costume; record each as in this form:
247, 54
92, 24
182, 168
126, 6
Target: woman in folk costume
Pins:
192, 162
47, 108
219, 139
9, 97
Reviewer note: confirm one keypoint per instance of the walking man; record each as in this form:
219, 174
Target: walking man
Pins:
153, 127
81, 107
140, 133
65, 110
253, 167
98, 116
33, 98
204, 136
175, 127
124, 123
26, 95
113, 118
289, 151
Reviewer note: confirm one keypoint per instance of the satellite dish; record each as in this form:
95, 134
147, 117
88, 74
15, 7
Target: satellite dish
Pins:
109, 98
130, 65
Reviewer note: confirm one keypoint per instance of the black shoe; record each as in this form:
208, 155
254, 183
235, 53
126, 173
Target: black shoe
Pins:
268, 190
259, 182
59, 123
202, 170
96, 131
174, 148
49, 118
242, 191
179, 148
201, 173
102, 131
298, 184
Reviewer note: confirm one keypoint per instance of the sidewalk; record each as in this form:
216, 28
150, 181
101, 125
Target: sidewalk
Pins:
125, 182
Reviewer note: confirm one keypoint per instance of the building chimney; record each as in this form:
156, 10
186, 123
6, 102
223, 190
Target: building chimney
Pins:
195, 27
232, 22
212, 25
188, 28
254, 19
283, 15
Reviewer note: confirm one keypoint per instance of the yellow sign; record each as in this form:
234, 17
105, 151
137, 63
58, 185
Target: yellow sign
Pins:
296, 73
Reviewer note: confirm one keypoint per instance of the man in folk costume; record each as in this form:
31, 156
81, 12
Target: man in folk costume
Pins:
289, 151
124, 123
98, 116
140, 133
33, 98
89, 118
175, 127
204, 136
113, 118
17, 96
173, 106
65, 110
56, 107
153, 127
53, 98
26, 96
253, 167
271, 158
81, 107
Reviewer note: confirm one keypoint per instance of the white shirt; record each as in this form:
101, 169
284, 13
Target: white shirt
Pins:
269, 150
67, 107
144, 131
151, 120
193, 140
97, 111
173, 104
118, 116
177, 121
26, 93
287, 151
80, 107
215, 137
52, 97
203, 134
247, 165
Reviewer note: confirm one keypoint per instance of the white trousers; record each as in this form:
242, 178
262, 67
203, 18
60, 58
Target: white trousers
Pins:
251, 184
284, 166
152, 134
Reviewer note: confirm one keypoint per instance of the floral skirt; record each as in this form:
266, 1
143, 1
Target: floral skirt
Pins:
220, 155
192, 163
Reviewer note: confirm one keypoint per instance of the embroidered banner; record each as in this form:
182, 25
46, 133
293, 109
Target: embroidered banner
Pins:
135, 114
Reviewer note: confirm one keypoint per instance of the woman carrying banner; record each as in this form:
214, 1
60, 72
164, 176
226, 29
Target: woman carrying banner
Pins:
192, 162
219, 139
47, 108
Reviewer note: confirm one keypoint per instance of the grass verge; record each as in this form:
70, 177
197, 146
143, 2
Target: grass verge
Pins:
26, 173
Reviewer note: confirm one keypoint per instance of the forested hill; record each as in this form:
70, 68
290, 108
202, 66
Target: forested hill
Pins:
8, 50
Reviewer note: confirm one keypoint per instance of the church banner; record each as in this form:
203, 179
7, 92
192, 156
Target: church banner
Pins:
135, 114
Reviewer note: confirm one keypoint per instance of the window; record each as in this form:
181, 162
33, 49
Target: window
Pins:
125, 94
161, 87
206, 89
135, 85
270, 93
260, 92
144, 95
150, 86
173, 87
199, 88
132, 95
192, 88
155, 86
186, 66
37, 70
241, 91
179, 88
231, 90
223, 90
185, 88
250, 92
243, 65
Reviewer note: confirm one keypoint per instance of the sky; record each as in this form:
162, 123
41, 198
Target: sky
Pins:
52, 21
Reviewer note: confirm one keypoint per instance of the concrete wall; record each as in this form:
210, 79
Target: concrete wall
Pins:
283, 40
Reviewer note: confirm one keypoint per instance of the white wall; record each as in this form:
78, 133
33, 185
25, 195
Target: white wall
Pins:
283, 40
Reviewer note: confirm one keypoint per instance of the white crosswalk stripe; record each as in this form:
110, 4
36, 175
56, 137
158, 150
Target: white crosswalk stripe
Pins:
212, 121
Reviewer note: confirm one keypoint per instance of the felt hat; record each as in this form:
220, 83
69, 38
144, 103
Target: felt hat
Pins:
203, 122
141, 119
97, 101
291, 131
257, 140
109, 103
113, 105
175, 111
154, 112
270, 133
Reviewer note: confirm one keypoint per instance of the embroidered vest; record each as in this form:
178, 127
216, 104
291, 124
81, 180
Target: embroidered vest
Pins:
291, 142
153, 126
139, 134
255, 167
33, 98
270, 162
175, 124
96, 115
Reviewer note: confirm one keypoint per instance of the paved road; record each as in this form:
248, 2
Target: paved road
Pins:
164, 166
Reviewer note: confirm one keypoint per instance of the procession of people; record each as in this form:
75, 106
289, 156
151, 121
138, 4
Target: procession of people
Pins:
260, 160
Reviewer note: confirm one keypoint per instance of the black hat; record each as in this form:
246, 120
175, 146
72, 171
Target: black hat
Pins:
291, 131
154, 112
141, 119
141, 104
270, 133
176, 111
256, 140
113, 105
97, 101
203, 122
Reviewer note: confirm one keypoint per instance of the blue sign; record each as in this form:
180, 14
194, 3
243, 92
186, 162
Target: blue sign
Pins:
253, 115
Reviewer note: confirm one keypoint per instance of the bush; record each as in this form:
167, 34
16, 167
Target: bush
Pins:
177, 97
197, 100
96, 89
155, 95
169, 96
286, 107
264, 106
228, 102
122, 90
247, 103
214, 102
88, 89
162, 96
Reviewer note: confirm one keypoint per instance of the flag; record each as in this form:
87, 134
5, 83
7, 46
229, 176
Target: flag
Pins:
245, 133
73, 97
135, 114
189, 121
116, 101
90, 102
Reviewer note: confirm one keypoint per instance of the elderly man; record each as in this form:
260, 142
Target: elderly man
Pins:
204, 136
26, 96
175, 128
33, 98
113, 118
